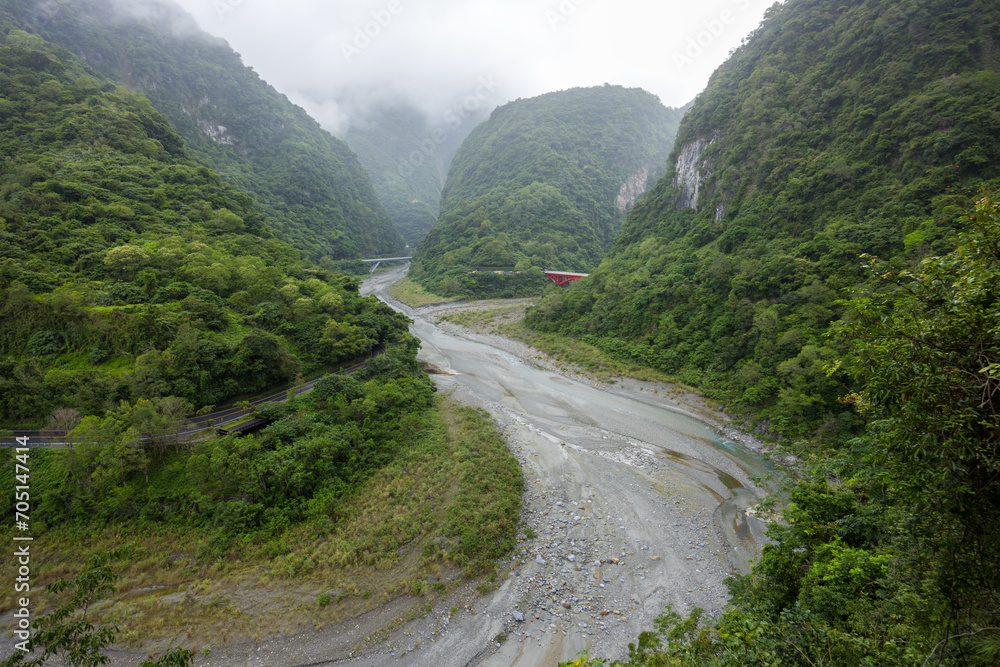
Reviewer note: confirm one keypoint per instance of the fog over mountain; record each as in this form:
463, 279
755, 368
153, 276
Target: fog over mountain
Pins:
339, 59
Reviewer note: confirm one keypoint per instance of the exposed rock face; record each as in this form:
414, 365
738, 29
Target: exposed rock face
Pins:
634, 187
218, 133
692, 172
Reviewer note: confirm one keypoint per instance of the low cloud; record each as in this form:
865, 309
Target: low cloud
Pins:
337, 58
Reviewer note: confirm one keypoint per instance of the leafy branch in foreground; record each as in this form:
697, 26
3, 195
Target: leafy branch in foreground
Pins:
928, 357
897, 563
66, 630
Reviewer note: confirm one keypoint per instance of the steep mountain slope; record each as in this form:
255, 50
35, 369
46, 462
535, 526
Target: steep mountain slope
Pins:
408, 157
135, 285
545, 182
841, 127
315, 193
130, 271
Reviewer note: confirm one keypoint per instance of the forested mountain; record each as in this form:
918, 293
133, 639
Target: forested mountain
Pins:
407, 157
314, 192
137, 285
841, 127
845, 151
544, 183
130, 270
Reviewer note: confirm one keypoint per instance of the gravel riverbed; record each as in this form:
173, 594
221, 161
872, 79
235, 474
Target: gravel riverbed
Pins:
623, 507
636, 497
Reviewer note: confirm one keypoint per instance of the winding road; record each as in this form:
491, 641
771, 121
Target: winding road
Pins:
191, 429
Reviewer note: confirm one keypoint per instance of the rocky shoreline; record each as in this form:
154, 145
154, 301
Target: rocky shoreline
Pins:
683, 401
583, 577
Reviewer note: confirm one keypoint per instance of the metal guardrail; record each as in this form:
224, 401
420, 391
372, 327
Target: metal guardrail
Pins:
193, 428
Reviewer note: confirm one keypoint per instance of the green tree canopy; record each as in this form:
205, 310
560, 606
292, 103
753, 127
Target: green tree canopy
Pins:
838, 128
541, 183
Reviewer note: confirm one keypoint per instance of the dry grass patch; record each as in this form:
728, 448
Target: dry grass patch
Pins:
413, 295
442, 512
489, 320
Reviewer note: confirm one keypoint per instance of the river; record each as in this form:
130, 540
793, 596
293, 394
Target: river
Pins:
635, 504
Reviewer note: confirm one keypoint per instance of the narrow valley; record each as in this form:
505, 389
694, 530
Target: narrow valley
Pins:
634, 504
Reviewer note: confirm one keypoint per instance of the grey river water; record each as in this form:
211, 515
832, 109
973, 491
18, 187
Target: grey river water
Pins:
630, 505
570, 411
657, 490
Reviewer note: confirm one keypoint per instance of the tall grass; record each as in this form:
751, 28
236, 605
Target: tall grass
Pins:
415, 296
444, 511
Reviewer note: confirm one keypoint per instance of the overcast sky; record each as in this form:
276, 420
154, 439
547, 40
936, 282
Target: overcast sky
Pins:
335, 57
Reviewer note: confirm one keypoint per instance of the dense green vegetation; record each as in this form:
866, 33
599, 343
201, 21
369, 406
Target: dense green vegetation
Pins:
407, 157
317, 450
839, 128
314, 192
366, 487
130, 271
847, 147
888, 556
537, 186
135, 285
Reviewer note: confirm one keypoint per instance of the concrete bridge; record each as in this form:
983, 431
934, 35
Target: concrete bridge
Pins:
384, 259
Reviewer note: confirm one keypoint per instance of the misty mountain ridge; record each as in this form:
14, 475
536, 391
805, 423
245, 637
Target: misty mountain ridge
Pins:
407, 154
839, 128
544, 183
311, 186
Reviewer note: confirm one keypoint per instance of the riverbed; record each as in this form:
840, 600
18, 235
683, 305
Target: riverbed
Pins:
634, 504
